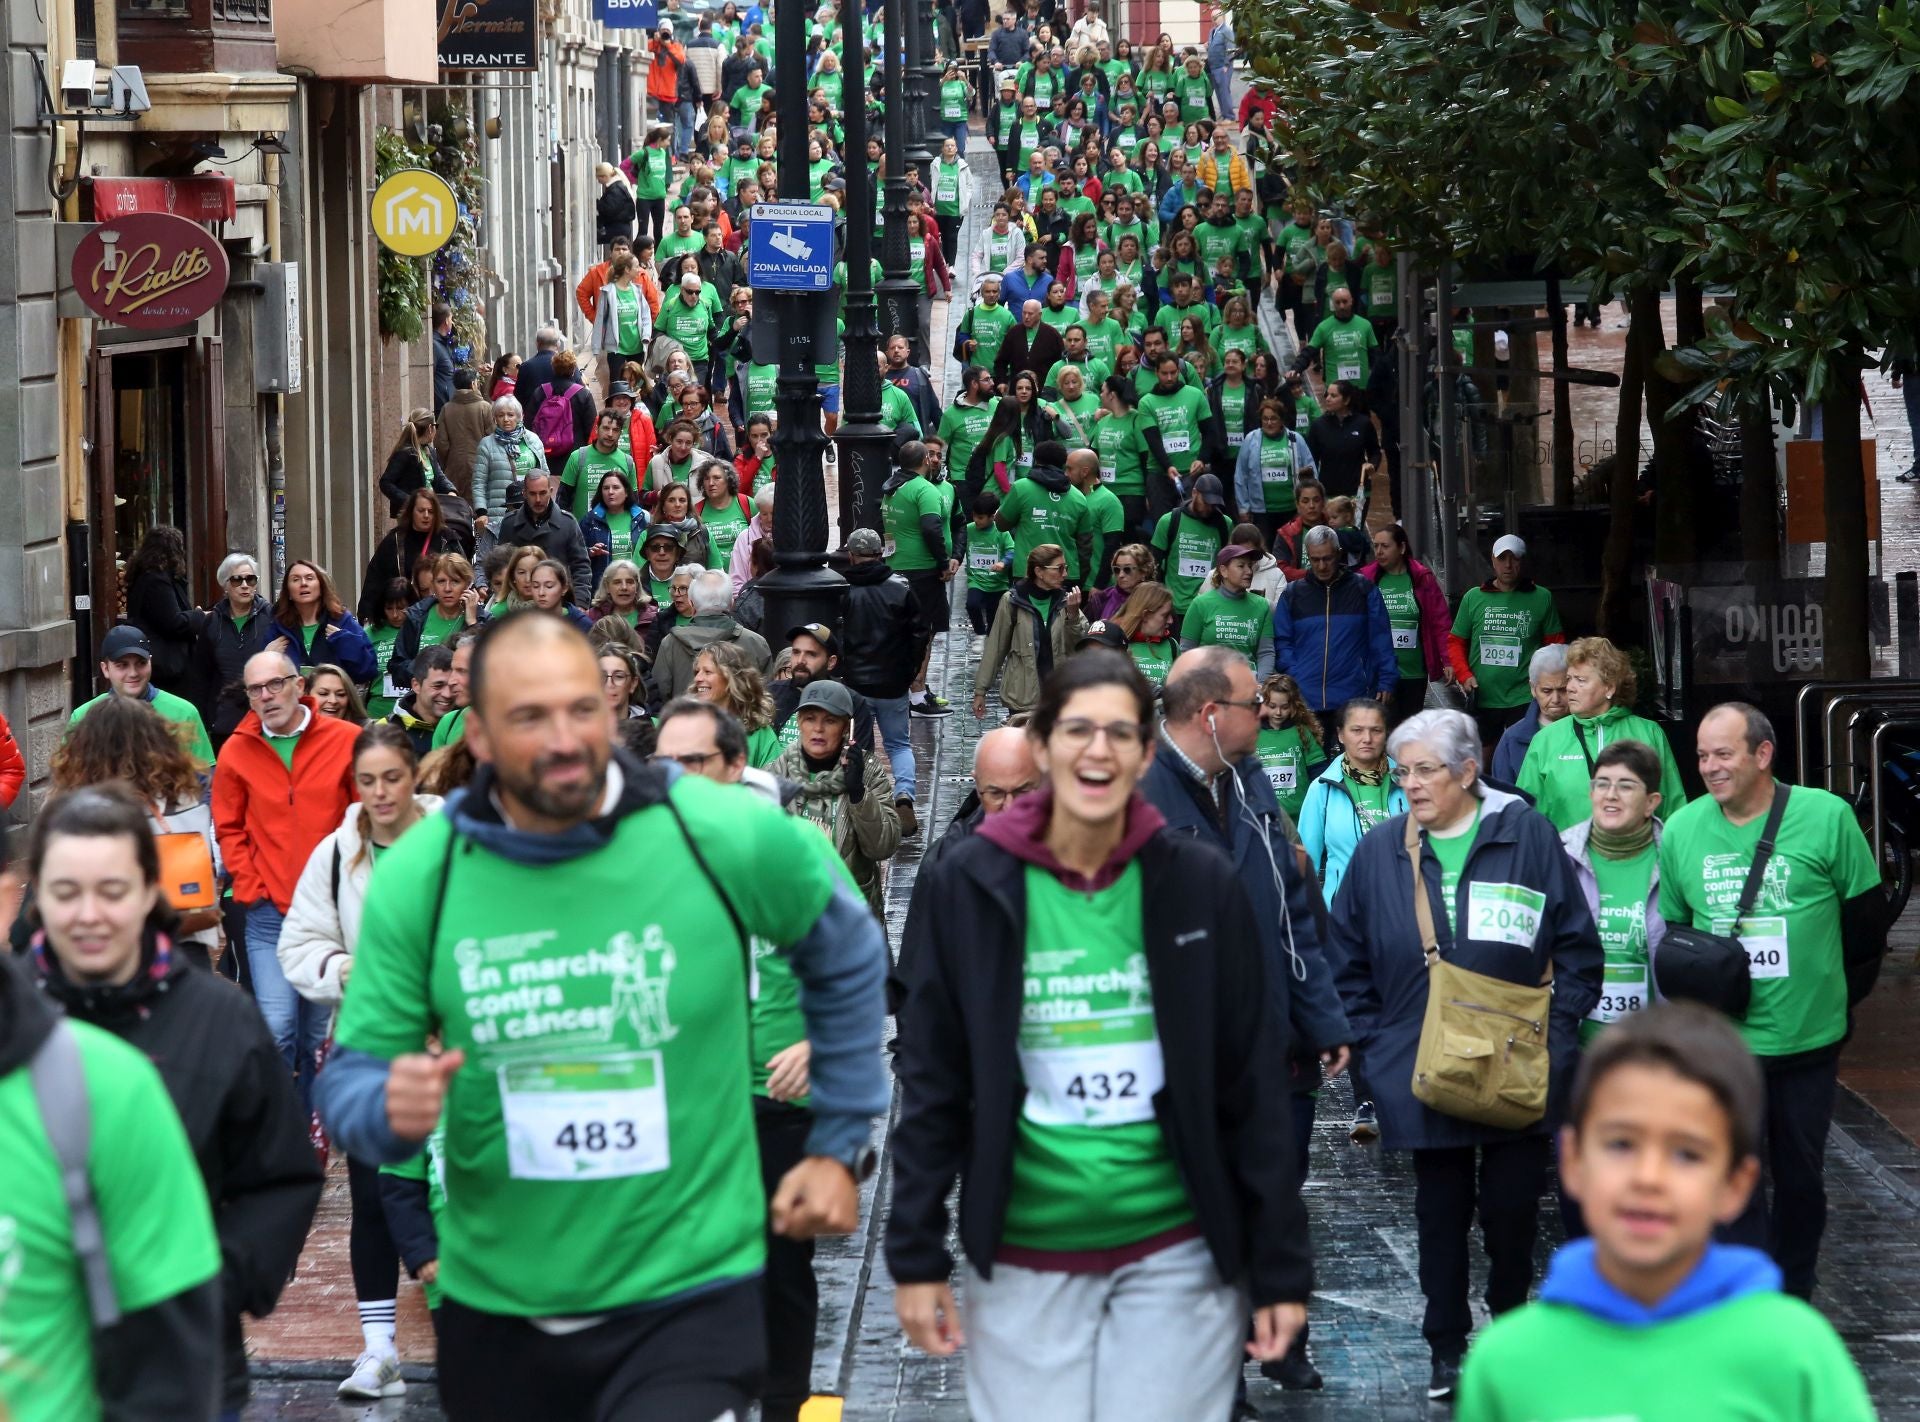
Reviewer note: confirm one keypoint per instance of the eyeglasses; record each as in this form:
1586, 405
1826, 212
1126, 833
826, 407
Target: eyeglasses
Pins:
1406, 774
616, 678
244, 580
692, 760
1059, 567
1078, 733
1626, 786
258, 689
1126, 568
1253, 703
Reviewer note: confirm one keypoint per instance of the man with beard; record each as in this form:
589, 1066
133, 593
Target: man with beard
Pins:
813, 654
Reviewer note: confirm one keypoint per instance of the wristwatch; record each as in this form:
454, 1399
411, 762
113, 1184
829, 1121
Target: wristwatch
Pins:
862, 1163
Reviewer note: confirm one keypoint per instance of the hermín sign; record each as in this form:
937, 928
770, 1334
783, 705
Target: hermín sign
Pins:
149, 270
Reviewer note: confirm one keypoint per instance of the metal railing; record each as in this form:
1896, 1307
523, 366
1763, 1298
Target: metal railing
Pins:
1876, 762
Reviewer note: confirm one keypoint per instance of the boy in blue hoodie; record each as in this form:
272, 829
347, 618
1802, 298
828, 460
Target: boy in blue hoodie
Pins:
1648, 1320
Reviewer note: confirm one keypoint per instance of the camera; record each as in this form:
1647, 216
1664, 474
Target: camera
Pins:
76, 83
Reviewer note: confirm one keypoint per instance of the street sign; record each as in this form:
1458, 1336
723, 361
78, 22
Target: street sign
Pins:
414, 212
627, 14
790, 246
149, 270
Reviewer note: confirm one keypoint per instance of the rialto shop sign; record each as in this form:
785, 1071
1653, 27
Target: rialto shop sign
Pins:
149, 270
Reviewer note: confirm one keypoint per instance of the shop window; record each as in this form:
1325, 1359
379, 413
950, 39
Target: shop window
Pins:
149, 447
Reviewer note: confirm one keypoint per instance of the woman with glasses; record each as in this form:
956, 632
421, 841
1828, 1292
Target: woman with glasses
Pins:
1615, 855
237, 627
1036, 625
312, 626
1133, 564
1504, 903
1083, 1044
620, 679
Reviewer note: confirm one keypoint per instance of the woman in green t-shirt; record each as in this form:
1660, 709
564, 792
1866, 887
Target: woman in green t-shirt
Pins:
1615, 853
1290, 742
652, 171
726, 676
615, 525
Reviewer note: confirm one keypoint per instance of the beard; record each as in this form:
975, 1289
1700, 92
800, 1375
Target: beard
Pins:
557, 802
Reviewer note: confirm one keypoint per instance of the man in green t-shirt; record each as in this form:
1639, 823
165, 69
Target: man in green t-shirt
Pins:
594, 1070
1187, 541
589, 464
1819, 909
1343, 342
1106, 516
683, 238
155, 1244
694, 322
1496, 631
746, 100
126, 665
984, 329
1044, 507
965, 421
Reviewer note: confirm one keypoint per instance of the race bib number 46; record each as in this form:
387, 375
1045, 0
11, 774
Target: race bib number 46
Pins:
598, 1119
1504, 913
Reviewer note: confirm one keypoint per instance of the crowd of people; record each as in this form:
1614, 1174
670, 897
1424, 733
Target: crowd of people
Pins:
1263, 807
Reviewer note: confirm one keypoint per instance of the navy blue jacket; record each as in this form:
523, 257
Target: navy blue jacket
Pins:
594, 530
1303, 996
1335, 639
1382, 973
1511, 753
349, 649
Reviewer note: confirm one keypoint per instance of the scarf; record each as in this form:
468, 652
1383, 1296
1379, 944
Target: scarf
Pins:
1609, 845
1369, 778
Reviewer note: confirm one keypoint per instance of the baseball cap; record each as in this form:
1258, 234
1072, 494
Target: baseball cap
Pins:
1510, 543
820, 633
866, 543
125, 641
618, 389
1106, 634
1231, 551
1207, 486
829, 696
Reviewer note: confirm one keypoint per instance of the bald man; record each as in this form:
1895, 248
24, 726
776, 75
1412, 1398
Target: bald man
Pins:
1032, 345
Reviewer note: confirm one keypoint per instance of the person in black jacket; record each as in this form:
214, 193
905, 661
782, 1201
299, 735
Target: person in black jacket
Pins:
613, 210
239, 625
160, 606
221, 1068
443, 357
413, 463
1088, 1042
419, 531
881, 651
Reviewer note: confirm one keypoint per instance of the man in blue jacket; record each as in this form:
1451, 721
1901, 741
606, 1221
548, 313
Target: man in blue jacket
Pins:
1207, 781
1331, 632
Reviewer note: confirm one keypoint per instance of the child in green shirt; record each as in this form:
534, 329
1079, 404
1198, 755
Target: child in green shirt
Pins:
1648, 1318
382, 694
989, 562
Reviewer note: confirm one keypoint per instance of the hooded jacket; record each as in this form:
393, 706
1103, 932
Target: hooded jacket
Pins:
1335, 639
162, 1362
1556, 773
1026, 646
249, 1132
865, 832
1329, 821
1055, 482
323, 923
220, 656
673, 666
1220, 1113
348, 648
269, 818
406, 646
1436, 618
884, 639
495, 470
1383, 975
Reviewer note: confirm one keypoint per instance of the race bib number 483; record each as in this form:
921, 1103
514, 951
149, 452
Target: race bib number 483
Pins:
597, 1119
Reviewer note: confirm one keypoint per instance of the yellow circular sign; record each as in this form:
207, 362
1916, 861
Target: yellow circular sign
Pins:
414, 212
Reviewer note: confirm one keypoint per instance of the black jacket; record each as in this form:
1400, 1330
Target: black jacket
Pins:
558, 536
243, 1117
160, 607
394, 557
1225, 1122
884, 638
405, 473
406, 646
1340, 445
1038, 349
536, 370
613, 212
157, 1364
220, 657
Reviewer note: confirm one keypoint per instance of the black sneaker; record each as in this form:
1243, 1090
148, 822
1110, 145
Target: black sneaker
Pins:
930, 705
1366, 1123
1295, 1372
1911, 474
1446, 1377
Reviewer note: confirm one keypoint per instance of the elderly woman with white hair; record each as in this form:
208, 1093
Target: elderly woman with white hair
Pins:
710, 599
1470, 886
1547, 684
740, 563
505, 458
237, 627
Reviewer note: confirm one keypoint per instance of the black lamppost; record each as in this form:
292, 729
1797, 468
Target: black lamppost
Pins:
919, 56
931, 74
899, 296
865, 446
801, 588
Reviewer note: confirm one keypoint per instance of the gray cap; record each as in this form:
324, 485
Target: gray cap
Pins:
828, 696
1207, 486
865, 543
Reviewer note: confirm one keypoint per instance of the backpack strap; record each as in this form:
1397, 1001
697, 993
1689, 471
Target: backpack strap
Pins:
733, 916
1581, 736
60, 1091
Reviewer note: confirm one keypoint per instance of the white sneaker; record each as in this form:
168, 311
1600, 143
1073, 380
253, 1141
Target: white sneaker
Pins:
374, 1376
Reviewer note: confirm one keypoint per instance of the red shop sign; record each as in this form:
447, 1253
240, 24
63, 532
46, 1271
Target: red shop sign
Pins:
149, 270
204, 197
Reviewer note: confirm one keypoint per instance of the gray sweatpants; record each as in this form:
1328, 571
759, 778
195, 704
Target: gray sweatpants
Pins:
1159, 1340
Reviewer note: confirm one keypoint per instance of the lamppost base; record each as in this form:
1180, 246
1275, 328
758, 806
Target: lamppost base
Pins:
798, 595
866, 463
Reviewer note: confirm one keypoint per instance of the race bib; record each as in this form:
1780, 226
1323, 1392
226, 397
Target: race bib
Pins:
983, 562
1623, 991
1282, 777
1405, 638
1025, 461
1176, 443
1347, 370
1500, 654
1300, 420
1236, 438
387, 688
1194, 567
1097, 1071
1107, 473
1504, 913
1765, 940
602, 1118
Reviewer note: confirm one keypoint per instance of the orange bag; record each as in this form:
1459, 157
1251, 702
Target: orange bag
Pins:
186, 870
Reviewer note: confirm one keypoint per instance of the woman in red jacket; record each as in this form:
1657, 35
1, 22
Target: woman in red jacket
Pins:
936, 278
13, 767
1417, 607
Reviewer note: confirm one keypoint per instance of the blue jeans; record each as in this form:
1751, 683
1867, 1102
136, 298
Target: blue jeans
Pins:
299, 1027
891, 713
683, 127
959, 132
1223, 89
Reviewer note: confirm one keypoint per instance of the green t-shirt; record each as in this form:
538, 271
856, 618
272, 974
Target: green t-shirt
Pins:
1105, 515
989, 551
1622, 921
181, 712
1218, 618
724, 524
1502, 631
763, 747
1075, 418
988, 325
896, 409
1181, 419
1382, 286
604, 1105
1091, 1168
1452, 852
586, 467
672, 245
620, 533
689, 325
1154, 659
1278, 476
1195, 93
629, 312
902, 511
946, 188
746, 105
1233, 412
1104, 339
1123, 455
1555, 771
953, 101
1298, 249
436, 629
1286, 755
1760, 1357
760, 383
1346, 347
652, 167
284, 746
381, 702
961, 426
1820, 860
1040, 515
1403, 615
153, 1211
1186, 561
450, 727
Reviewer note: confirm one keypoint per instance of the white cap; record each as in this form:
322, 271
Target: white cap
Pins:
690, 282
1510, 543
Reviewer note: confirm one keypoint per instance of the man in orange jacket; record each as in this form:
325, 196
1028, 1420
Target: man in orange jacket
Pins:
282, 784
663, 87
587, 294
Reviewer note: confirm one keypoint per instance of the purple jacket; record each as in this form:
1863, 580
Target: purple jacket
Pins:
1436, 618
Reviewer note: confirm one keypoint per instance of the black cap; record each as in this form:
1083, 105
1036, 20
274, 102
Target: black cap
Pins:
1106, 634
820, 633
125, 641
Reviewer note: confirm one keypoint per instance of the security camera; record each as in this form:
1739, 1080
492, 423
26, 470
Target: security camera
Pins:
76, 83
127, 90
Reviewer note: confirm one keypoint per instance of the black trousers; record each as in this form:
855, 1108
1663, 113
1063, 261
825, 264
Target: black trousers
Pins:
1504, 1180
1493, 722
1133, 508
370, 1248
1299, 300
689, 1363
1409, 698
1788, 1212
792, 1294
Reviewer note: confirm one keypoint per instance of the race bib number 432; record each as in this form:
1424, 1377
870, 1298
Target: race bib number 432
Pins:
595, 1119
